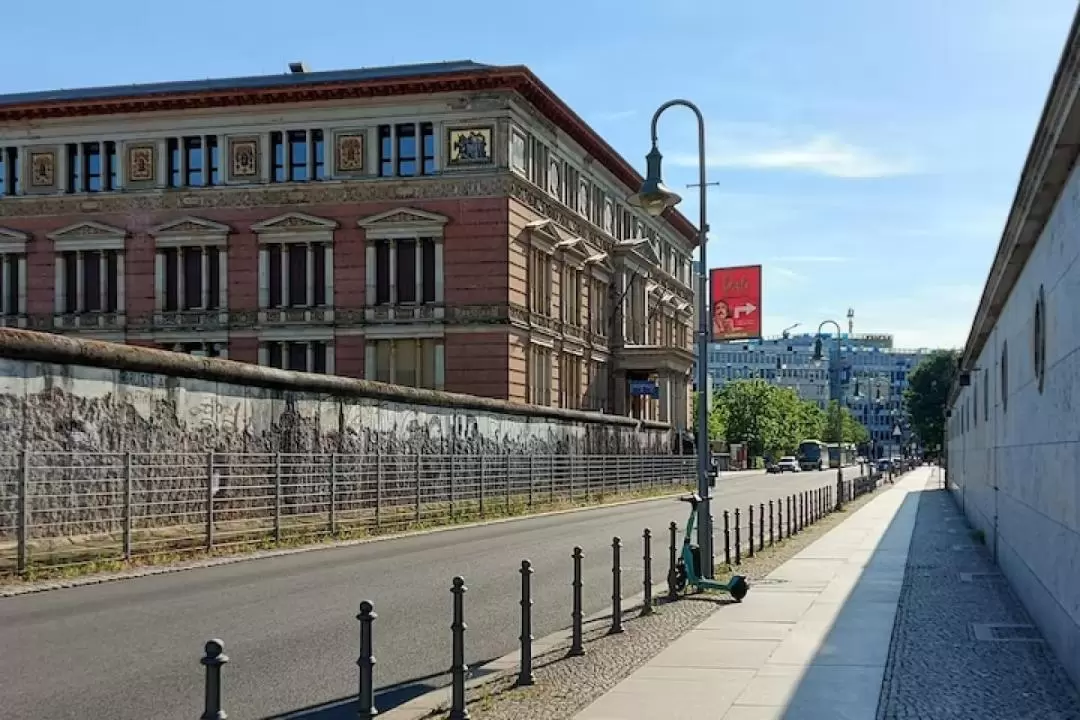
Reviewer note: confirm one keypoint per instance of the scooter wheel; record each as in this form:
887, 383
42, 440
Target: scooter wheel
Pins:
680, 576
738, 587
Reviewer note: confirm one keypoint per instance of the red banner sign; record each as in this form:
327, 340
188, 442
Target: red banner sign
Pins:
736, 302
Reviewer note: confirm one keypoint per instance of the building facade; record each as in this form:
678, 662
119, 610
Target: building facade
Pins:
1013, 418
451, 226
871, 373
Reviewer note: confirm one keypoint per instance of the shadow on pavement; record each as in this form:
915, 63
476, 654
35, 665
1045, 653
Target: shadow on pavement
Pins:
386, 698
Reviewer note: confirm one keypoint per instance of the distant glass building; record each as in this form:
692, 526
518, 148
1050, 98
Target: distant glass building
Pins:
870, 375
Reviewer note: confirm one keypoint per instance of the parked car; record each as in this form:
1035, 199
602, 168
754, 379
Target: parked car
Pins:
788, 464
883, 465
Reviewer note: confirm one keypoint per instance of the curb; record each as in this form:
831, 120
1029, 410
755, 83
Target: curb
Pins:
47, 585
438, 700
424, 706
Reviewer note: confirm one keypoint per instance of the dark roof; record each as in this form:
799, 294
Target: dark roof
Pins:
254, 82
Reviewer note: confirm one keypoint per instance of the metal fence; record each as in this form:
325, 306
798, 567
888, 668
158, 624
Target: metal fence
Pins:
59, 509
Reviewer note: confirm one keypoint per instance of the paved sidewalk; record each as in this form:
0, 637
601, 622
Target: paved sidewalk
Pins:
810, 641
884, 618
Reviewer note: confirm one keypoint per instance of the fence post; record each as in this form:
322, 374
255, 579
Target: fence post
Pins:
378, 489
23, 539
646, 541
779, 519
210, 502
458, 668
839, 494
532, 481
127, 506
750, 537
577, 613
790, 515
727, 539
482, 468
508, 482
419, 490
333, 495
366, 661
525, 676
213, 660
673, 531
761, 527
616, 586
738, 542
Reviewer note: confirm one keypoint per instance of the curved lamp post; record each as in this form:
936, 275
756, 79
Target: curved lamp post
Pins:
655, 198
839, 413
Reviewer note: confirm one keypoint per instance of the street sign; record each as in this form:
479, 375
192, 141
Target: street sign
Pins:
644, 388
735, 302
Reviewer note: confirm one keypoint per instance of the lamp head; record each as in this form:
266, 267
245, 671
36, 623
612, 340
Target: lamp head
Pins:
654, 197
817, 348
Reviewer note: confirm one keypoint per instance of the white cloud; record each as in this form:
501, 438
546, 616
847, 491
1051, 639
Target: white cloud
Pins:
822, 154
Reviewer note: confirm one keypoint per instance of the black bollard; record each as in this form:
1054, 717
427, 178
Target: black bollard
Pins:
738, 533
458, 668
366, 661
525, 676
790, 516
750, 538
577, 614
780, 519
771, 538
727, 539
761, 527
673, 531
616, 586
214, 658
646, 542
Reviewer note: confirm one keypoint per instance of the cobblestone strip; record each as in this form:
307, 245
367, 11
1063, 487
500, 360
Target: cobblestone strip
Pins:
944, 662
565, 686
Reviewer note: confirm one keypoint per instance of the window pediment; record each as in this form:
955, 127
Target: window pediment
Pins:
88, 235
295, 227
12, 241
190, 231
404, 222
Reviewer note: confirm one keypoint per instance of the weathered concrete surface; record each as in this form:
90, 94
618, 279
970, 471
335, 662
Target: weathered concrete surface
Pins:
87, 398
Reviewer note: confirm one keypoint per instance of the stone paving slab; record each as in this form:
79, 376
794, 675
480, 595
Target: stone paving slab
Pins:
810, 642
939, 666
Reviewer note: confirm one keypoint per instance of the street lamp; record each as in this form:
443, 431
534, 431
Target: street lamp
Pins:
655, 198
839, 414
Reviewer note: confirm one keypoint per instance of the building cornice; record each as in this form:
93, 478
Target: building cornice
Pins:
1049, 163
518, 79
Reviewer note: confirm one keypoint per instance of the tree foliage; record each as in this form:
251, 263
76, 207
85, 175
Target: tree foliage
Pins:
851, 430
773, 420
926, 395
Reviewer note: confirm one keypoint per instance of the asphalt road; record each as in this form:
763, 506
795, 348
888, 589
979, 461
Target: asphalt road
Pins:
129, 650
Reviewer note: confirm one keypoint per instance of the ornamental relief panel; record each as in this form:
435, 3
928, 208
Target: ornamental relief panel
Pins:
469, 146
43, 169
243, 158
140, 164
349, 152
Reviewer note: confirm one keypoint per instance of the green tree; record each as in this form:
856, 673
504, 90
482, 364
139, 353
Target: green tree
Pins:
926, 395
810, 421
751, 414
851, 430
716, 418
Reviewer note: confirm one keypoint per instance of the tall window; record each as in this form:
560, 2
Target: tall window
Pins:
412, 362
12, 283
406, 149
301, 356
318, 149
298, 155
198, 349
539, 375
404, 271
90, 280
9, 171
174, 162
570, 381
570, 295
540, 281
296, 274
193, 162
277, 157
192, 278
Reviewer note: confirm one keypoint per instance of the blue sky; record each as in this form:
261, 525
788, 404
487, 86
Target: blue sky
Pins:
866, 151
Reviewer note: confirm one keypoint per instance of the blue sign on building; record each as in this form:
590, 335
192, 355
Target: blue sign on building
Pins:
644, 388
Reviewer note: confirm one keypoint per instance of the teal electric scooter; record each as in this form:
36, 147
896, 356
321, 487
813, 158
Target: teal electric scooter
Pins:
688, 566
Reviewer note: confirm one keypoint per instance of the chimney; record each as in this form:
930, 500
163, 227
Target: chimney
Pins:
298, 68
